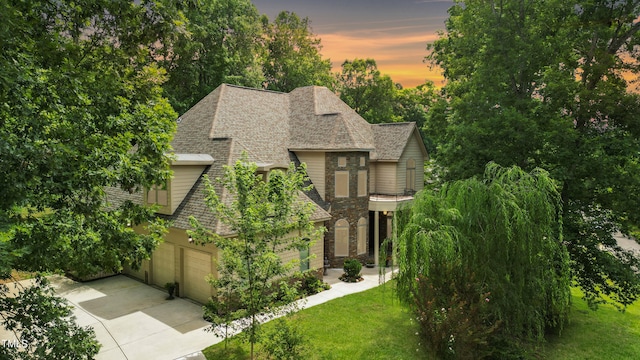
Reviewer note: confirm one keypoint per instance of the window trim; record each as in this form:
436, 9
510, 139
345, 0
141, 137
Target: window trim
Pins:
410, 180
152, 195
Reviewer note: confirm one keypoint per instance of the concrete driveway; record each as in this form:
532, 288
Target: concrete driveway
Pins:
135, 321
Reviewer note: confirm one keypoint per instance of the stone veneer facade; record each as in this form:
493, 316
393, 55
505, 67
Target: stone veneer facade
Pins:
350, 208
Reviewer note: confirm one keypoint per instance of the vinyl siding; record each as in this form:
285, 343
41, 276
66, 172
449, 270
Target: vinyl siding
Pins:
316, 252
184, 177
372, 178
315, 169
411, 151
386, 178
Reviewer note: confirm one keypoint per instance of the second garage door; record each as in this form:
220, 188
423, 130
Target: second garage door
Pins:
197, 266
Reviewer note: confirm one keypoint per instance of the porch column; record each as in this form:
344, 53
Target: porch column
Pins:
376, 236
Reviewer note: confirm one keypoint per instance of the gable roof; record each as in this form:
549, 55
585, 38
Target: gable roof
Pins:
391, 139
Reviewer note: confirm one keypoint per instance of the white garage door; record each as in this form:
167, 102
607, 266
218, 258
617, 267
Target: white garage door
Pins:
164, 264
197, 266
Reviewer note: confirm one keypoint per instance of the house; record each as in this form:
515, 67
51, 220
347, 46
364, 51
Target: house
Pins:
361, 173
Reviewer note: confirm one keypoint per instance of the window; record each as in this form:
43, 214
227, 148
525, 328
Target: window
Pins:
342, 237
342, 161
363, 161
362, 236
342, 184
411, 175
158, 195
362, 182
304, 258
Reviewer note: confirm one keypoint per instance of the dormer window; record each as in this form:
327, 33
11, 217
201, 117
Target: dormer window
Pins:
186, 169
158, 195
263, 170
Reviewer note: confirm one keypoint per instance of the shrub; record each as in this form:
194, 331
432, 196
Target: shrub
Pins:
352, 269
310, 284
284, 342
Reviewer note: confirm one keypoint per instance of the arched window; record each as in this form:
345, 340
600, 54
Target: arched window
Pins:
362, 236
411, 175
342, 238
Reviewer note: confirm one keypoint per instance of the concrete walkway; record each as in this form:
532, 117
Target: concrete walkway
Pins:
135, 321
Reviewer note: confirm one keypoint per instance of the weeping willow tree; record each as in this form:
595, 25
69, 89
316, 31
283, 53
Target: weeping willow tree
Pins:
484, 258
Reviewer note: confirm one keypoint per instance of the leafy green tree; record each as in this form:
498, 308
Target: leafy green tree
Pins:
43, 324
293, 56
81, 110
547, 84
221, 43
368, 92
268, 218
481, 262
413, 105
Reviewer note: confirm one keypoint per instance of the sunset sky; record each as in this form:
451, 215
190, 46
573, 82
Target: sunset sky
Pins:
394, 33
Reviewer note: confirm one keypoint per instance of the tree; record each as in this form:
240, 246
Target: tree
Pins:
413, 105
221, 43
81, 110
293, 56
546, 84
364, 89
481, 262
268, 218
45, 323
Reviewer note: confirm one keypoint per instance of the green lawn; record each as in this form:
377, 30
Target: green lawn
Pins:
372, 325
367, 325
603, 334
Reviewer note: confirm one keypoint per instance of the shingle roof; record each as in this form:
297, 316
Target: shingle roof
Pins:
390, 139
321, 121
268, 125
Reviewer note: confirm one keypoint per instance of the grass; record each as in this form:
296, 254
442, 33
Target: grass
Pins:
367, 325
373, 325
603, 334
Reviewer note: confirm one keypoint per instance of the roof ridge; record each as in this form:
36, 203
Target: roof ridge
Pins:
254, 89
217, 108
348, 129
395, 123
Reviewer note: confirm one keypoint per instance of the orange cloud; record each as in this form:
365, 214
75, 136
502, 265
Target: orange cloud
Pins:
398, 55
